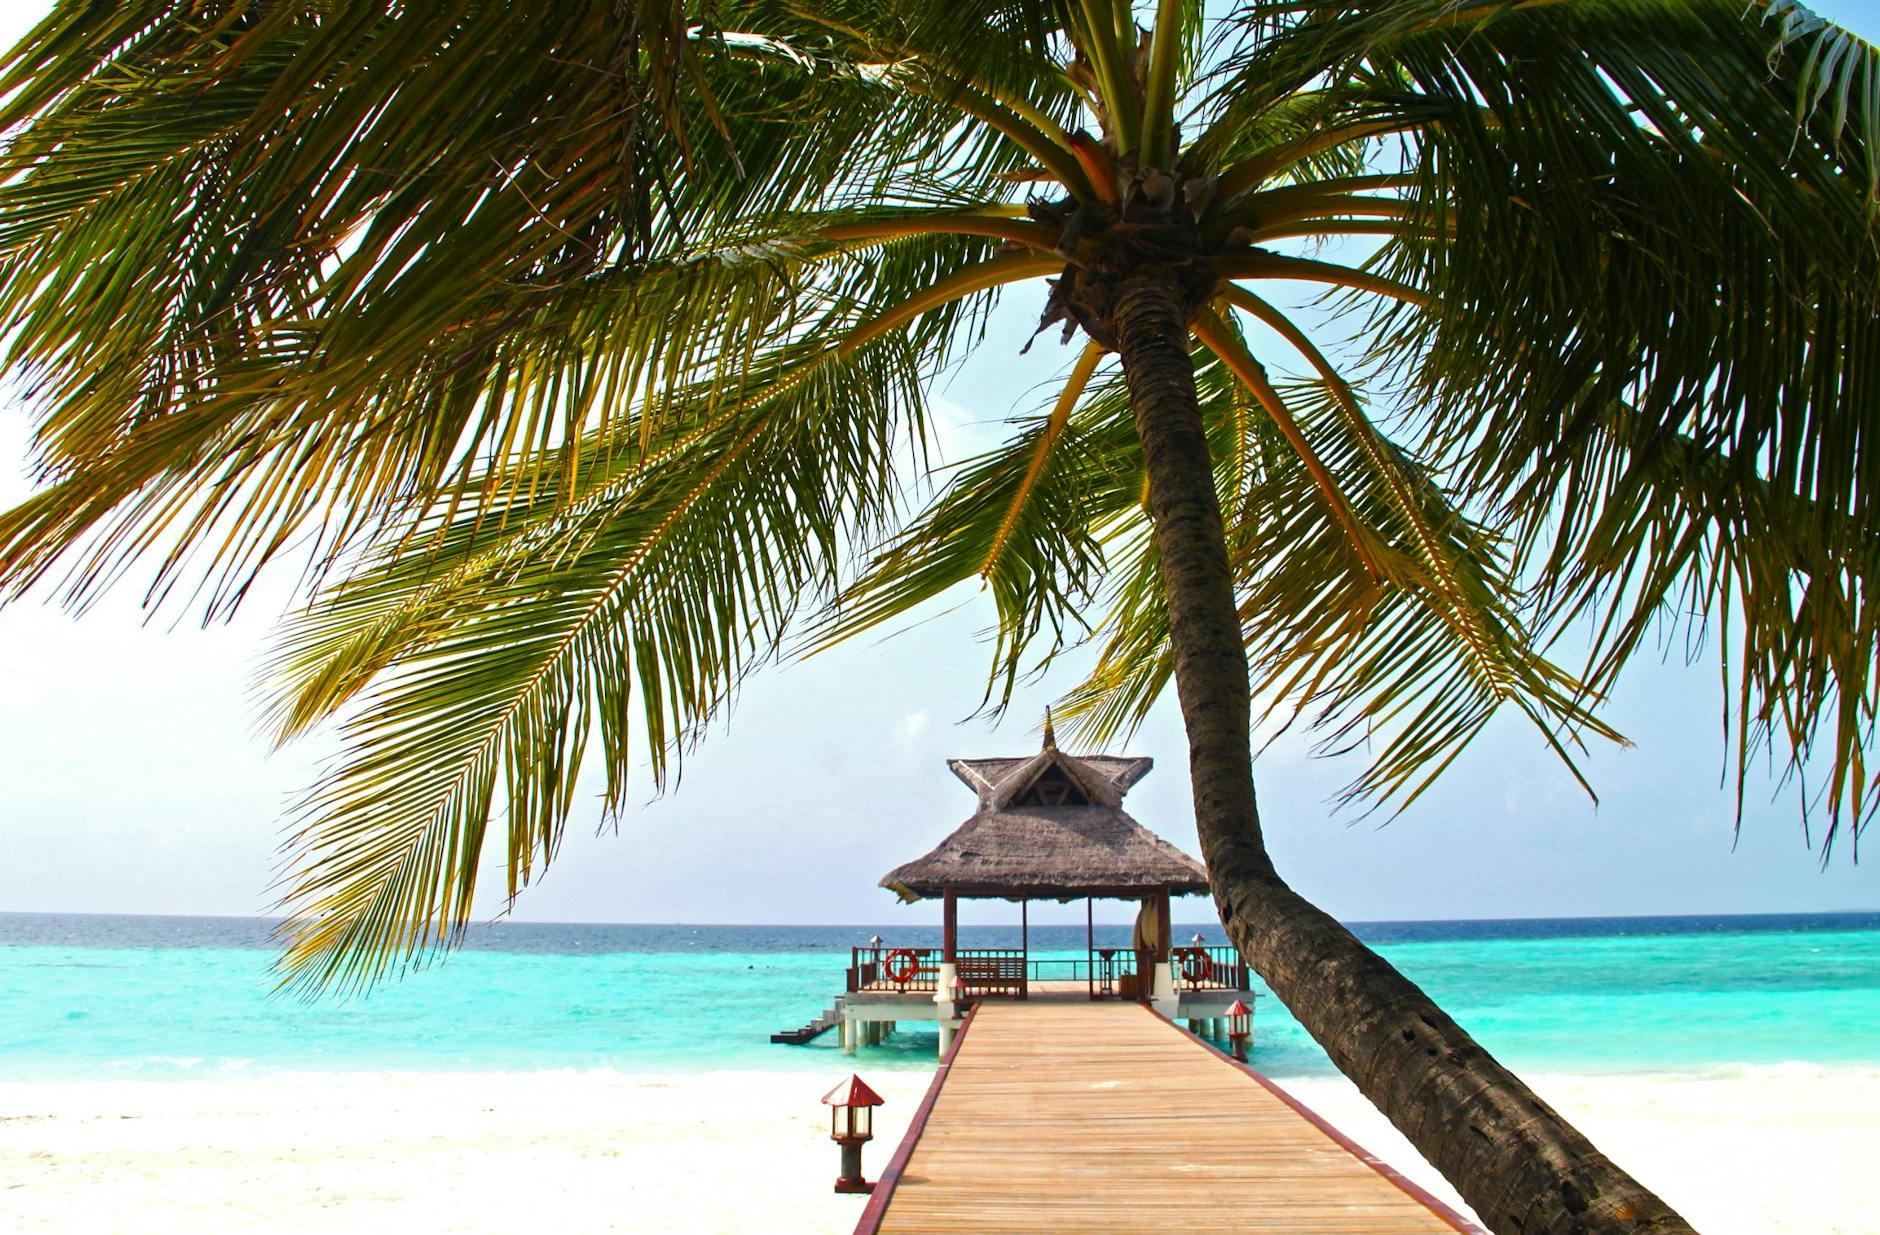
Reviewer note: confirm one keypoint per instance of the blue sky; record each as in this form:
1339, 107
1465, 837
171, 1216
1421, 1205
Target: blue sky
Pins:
132, 780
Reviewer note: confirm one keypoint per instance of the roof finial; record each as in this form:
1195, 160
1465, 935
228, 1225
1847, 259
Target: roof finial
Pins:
1050, 738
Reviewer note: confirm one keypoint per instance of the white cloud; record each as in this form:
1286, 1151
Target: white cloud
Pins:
912, 727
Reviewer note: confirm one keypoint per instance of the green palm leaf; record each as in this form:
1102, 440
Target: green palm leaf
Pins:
466, 700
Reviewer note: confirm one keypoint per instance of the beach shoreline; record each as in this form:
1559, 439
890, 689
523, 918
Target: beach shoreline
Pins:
1740, 1149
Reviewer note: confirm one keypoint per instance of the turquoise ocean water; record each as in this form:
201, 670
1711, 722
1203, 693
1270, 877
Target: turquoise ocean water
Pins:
91, 997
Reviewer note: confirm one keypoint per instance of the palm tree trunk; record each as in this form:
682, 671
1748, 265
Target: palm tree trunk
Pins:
1514, 1159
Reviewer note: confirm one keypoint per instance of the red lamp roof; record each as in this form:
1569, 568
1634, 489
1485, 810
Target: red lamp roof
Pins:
1237, 1008
853, 1092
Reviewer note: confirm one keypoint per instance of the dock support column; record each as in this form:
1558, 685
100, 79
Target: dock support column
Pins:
848, 1035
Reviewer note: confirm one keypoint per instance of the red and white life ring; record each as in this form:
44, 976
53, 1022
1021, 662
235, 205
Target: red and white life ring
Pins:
900, 966
1196, 965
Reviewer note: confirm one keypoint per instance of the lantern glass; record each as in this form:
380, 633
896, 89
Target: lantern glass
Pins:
851, 1123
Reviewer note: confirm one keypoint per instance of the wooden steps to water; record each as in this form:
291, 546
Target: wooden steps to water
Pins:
1104, 1117
830, 1018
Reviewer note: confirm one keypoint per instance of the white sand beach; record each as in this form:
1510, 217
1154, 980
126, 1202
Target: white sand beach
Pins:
1778, 1150
1742, 1151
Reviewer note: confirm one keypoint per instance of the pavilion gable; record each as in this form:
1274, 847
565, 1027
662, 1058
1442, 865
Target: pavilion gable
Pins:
1050, 825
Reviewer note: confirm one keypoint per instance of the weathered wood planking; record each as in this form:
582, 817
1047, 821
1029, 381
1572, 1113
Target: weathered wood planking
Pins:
1103, 1117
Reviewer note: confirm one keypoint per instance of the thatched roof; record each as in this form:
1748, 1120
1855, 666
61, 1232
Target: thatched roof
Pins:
1050, 826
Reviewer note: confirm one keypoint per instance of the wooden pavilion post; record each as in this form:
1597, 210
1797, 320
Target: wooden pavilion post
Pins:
1090, 943
1024, 947
1152, 963
948, 976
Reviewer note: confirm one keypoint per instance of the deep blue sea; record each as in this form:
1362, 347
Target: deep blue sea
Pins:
84, 996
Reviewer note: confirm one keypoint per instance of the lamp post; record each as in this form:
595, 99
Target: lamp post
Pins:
1239, 1028
851, 1125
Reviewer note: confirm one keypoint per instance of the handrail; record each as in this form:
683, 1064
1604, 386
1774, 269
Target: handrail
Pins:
877, 1208
1073, 968
1012, 971
1209, 968
1405, 1184
871, 970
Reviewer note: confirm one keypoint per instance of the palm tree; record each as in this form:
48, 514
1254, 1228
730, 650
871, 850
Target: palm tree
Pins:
581, 350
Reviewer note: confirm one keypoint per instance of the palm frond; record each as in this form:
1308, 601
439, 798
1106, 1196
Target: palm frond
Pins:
384, 408
1415, 663
1650, 537
1572, 296
337, 288
476, 666
1028, 519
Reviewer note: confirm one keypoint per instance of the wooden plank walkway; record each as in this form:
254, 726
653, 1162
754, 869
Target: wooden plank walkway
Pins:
1103, 1117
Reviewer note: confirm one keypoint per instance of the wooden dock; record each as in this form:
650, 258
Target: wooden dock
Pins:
1104, 1117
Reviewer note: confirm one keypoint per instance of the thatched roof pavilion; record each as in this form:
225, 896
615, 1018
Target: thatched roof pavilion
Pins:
1052, 827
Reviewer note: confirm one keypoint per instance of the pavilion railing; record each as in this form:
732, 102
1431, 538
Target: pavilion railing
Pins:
894, 971
1109, 973
1057, 969
1217, 968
